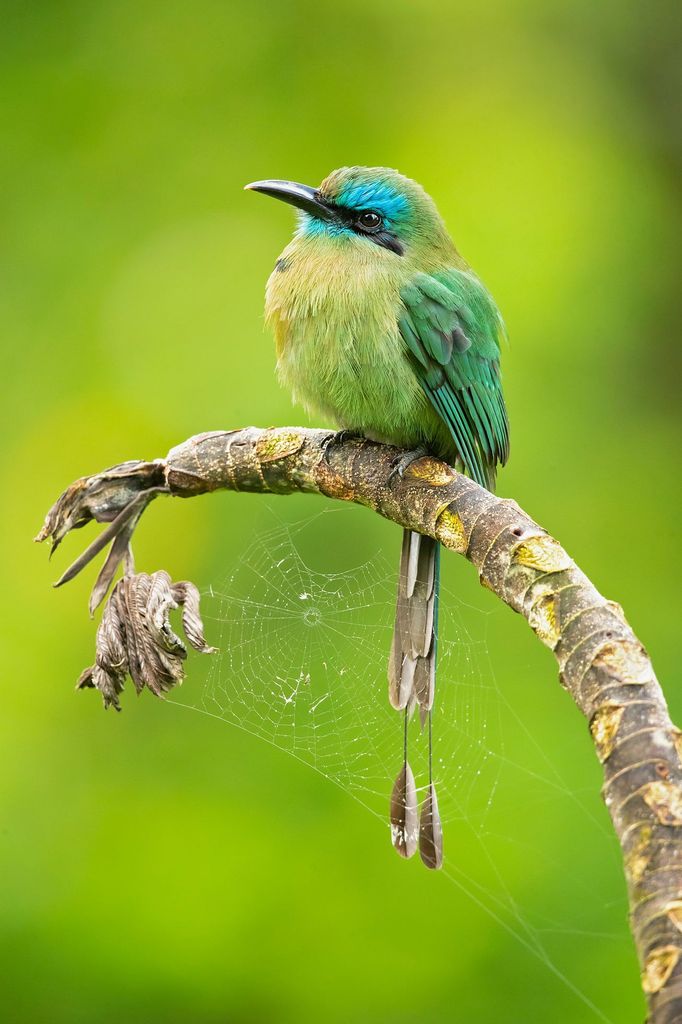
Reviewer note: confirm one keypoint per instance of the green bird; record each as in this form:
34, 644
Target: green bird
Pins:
381, 327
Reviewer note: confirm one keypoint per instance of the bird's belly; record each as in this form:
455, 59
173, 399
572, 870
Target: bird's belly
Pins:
360, 377
334, 309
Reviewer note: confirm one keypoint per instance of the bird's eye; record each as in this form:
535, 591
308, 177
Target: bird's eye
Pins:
369, 220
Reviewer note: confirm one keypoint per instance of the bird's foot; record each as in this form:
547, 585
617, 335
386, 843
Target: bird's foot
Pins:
339, 437
402, 462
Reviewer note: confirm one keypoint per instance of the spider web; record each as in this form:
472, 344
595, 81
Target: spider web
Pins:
302, 665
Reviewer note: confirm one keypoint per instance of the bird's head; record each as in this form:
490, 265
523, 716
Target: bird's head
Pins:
365, 205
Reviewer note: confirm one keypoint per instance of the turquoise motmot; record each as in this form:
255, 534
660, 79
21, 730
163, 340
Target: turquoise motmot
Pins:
383, 328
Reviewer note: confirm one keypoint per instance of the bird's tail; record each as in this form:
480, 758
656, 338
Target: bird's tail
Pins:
412, 680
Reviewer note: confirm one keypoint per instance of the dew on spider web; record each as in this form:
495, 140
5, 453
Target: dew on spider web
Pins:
302, 664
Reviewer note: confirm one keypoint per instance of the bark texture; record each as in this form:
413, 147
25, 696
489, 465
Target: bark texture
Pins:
601, 662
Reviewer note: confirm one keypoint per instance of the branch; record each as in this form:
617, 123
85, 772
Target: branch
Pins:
602, 664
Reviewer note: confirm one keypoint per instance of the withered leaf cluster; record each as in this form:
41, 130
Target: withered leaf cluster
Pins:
135, 637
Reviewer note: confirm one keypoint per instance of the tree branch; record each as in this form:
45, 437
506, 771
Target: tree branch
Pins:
601, 662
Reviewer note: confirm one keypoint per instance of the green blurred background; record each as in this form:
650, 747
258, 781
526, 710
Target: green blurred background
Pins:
159, 865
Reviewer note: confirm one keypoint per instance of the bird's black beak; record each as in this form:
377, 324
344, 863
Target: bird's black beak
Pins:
303, 197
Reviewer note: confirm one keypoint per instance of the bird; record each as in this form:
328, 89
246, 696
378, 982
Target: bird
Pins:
382, 327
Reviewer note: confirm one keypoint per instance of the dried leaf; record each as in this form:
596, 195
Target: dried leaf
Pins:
135, 637
187, 595
431, 831
118, 551
101, 497
404, 824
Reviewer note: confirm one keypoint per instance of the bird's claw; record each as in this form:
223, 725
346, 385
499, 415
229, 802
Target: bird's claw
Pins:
338, 437
402, 462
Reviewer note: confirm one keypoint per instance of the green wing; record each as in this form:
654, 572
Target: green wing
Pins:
452, 328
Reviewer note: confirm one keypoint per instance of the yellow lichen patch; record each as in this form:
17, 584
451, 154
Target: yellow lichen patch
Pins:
638, 858
659, 965
430, 471
450, 531
674, 912
625, 660
604, 728
542, 553
665, 800
543, 619
677, 740
617, 611
277, 444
